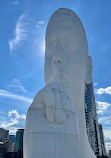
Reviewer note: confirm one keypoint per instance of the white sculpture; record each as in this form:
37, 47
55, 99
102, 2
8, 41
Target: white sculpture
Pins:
55, 125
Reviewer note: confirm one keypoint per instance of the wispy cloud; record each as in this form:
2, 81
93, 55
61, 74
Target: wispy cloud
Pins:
8, 94
6, 125
108, 146
104, 90
20, 33
39, 23
107, 135
15, 2
15, 121
102, 106
25, 30
95, 84
105, 120
16, 83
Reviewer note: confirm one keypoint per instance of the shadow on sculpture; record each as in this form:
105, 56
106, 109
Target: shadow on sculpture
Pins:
55, 125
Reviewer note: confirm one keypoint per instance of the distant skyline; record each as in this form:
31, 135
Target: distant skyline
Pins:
22, 48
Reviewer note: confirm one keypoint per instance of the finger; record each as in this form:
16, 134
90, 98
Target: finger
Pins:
60, 116
50, 112
65, 102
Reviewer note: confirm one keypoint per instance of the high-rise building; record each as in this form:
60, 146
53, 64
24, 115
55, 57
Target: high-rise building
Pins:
19, 143
102, 140
109, 153
4, 135
12, 138
19, 140
91, 120
5, 144
12, 141
90, 112
3, 150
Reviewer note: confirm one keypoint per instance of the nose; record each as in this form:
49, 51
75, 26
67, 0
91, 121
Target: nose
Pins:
57, 58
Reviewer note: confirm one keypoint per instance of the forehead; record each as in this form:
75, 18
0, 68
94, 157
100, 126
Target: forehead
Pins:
69, 31
61, 29
61, 33
69, 37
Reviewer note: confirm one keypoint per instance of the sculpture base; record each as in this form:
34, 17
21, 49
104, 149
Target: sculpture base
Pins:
50, 145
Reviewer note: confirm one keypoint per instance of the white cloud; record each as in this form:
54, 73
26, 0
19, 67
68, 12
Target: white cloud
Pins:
102, 107
15, 121
25, 30
104, 90
16, 83
15, 2
108, 146
7, 125
95, 84
39, 23
15, 115
42, 46
105, 120
20, 32
107, 136
8, 94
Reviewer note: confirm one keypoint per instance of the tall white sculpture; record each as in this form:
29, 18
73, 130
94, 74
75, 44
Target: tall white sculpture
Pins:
55, 125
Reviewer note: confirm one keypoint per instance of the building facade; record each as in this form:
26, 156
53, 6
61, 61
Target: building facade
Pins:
4, 135
12, 141
90, 112
12, 138
109, 153
3, 150
19, 140
102, 140
91, 120
19, 143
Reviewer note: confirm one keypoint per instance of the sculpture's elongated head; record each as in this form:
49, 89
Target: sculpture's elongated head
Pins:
66, 43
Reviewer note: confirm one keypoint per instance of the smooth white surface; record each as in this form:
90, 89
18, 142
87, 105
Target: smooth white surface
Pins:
55, 125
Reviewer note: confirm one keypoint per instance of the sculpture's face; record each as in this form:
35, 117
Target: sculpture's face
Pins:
66, 45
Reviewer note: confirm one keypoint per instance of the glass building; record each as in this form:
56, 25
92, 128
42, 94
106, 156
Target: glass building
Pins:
19, 140
4, 135
109, 153
102, 140
12, 138
91, 119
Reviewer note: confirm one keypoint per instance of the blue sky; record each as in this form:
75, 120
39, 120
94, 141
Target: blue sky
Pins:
22, 30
